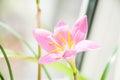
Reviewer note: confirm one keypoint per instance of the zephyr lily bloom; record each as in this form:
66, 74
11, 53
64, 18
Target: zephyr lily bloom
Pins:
63, 43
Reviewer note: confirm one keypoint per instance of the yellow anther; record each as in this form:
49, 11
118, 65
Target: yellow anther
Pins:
55, 50
62, 38
69, 40
57, 45
71, 44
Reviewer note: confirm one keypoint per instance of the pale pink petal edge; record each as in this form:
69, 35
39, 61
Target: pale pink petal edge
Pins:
49, 58
42, 37
80, 28
69, 54
86, 45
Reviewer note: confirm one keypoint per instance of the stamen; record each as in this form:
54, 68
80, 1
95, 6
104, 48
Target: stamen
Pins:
57, 45
54, 43
55, 50
71, 44
61, 37
69, 40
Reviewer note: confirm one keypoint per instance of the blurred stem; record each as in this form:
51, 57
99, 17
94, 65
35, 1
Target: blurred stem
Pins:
1, 76
37, 2
38, 17
39, 65
38, 25
8, 64
73, 66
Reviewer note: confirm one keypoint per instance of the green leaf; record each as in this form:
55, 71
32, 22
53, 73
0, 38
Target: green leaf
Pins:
62, 67
81, 77
19, 55
47, 74
17, 35
7, 62
66, 70
1, 76
109, 64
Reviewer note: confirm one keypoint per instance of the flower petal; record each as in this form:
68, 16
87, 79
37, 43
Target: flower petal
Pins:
79, 30
61, 33
42, 37
69, 53
49, 59
86, 45
60, 23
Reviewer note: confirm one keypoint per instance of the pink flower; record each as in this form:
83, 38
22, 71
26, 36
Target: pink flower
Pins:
64, 44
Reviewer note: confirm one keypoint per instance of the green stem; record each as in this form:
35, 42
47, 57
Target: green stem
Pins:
37, 2
73, 66
39, 72
8, 64
1, 76
38, 17
39, 65
38, 25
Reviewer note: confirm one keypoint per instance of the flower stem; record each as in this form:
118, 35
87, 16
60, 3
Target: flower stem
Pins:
39, 65
73, 66
38, 17
37, 2
8, 64
75, 77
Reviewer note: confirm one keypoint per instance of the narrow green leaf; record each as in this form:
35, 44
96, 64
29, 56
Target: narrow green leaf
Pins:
109, 64
47, 74
19, 55
58, 66
1, 76
8, 64
16, 34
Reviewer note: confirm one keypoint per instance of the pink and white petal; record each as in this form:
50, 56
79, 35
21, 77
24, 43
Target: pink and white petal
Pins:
63, 31
42, 37
60, 24
58, 40
49, 58
69, 53
79, 30
86, 45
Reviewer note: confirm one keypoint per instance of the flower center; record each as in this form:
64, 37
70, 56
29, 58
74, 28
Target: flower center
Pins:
59, 47
69, 43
